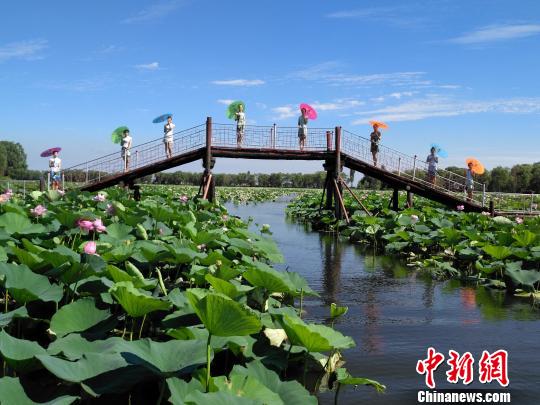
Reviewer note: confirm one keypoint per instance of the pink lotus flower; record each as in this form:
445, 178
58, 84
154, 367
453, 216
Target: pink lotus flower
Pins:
98, 226
414, 218
225, 217
38, 211
184, 198
61, 192
8, 192
460, 207
4, 198
90, 248
519, 220
99, 197
110, 209
85, 224
201, 246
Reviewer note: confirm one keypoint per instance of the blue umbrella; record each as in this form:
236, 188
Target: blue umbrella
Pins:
161, 118
440, 151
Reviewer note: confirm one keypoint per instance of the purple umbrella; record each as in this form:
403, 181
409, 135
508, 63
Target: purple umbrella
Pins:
50, 151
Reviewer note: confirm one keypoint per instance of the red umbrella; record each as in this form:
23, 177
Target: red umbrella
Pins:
50, 151
310, 111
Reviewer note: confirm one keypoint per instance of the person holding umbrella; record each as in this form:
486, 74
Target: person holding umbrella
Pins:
432, 161
473, 167
55, 166
168, 140
126, 148
240, 118
307, 113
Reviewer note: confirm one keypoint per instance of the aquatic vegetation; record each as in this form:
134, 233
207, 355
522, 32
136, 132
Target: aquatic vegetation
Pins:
170, 298
498, 252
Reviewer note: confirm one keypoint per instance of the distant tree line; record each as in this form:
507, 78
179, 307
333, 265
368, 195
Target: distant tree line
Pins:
521, 178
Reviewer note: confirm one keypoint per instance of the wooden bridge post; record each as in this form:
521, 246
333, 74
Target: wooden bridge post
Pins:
409, 198
395, 200
338, 200
208, 182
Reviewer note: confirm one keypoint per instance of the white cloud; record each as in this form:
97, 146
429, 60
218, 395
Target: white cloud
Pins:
340, 104
225, 101
239, 82
26, 50
262, 106
79, 85
328, 73
495, 33
284, 112
398, 95
359, 13
148, 66
440, 106
153, 12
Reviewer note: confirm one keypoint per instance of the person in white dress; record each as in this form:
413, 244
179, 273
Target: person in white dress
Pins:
126, 149
240, 118
55, 166
168, 137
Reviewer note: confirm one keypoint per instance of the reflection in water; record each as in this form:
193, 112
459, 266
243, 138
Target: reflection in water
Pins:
331, 261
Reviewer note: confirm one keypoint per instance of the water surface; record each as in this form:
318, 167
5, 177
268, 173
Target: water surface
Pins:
395, 314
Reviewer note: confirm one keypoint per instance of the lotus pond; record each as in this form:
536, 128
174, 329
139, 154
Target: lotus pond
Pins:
170, 299
500, 253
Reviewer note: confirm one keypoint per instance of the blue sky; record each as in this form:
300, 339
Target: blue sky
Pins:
463, 73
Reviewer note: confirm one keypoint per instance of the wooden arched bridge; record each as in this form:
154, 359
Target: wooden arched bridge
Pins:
337, 148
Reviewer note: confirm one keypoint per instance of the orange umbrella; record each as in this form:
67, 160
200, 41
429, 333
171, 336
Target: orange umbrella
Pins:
380, 124
477, 167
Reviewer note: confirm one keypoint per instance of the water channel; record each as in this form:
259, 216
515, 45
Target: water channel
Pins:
396, 313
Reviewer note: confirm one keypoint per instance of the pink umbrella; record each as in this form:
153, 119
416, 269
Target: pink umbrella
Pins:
50, 151
310, 111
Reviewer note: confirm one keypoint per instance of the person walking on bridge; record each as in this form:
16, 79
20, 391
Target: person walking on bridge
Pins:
55, 165
126, 149
240, 118
375, 138
469, 181
168, 137
302, 128
432, 161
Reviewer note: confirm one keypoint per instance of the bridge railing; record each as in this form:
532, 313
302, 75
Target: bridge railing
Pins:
516, 202
141, 155
409, 167
270, 137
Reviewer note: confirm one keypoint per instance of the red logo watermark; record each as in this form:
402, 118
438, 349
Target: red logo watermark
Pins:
491, 367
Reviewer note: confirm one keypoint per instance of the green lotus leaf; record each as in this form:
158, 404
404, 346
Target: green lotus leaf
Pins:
6, 318
12, 393
117, 232
343, 377
164, 358
289, 392
135, 302
3, 255
300, 284
498, 252
77, 317
182, 255
247, 386
525, 238
27, 258
337, 311
218, 398
26, 286
223, 316
315, 338
14, 223
223, 287
74, 346
180, 389
262, 275
19, 353
525, 278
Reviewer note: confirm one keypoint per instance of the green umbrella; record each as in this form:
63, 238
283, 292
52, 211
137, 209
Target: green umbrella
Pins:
118, 134
233, 109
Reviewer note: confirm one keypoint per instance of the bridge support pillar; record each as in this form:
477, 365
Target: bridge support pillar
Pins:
409, 199
395, 200
208, 189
